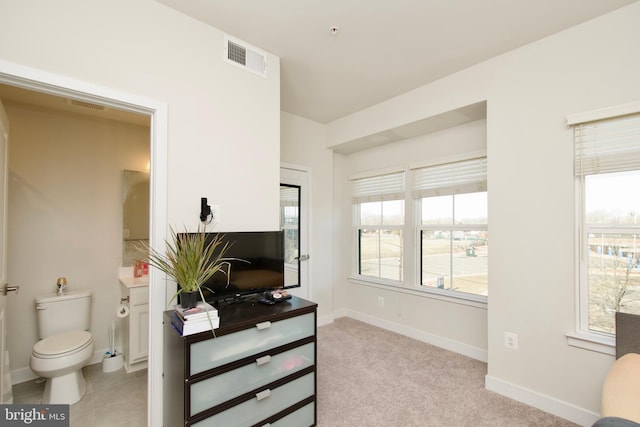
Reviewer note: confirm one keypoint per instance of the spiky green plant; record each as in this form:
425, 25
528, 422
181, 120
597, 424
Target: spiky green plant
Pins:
190, 260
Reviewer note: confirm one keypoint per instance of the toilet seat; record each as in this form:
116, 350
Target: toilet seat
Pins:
63, 344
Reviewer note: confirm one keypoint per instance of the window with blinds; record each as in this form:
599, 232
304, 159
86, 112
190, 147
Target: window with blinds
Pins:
379, 212
453, 226
607, 146
451, 178
377, 188
607, 169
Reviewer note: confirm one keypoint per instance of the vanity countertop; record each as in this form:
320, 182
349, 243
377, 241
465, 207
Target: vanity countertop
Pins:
125, 275
134, 282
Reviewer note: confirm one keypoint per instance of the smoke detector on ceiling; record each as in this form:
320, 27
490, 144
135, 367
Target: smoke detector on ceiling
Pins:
245, 56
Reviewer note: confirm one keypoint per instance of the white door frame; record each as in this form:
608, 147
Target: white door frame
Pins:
43, 81
4, 284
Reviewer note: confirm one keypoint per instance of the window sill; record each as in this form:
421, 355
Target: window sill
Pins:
476, 301
593, 342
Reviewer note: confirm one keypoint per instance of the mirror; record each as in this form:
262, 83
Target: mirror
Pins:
135, 214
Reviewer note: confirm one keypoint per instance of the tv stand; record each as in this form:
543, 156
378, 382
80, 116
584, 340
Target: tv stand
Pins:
237, 378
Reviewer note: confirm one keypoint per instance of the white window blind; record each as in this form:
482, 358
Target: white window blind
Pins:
289, 196
605, 146
378, 188
467, 176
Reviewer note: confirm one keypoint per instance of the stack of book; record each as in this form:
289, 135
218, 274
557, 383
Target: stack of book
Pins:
193, 320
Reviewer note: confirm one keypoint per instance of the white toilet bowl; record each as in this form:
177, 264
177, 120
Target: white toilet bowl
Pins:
60, 359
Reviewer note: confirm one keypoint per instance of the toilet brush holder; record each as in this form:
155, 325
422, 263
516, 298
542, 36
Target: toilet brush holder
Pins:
112, 363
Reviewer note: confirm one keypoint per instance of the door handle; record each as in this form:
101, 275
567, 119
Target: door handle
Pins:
6, 289
302, 257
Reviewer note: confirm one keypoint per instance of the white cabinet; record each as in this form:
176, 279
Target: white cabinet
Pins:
136, 328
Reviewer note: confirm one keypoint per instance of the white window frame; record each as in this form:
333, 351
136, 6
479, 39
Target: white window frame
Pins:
417, 200
380, 193
583, 337
410, 234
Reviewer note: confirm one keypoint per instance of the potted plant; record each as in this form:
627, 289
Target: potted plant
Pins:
190, 260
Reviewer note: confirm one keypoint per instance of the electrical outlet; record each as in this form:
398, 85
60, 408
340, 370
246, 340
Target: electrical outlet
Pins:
380, 301
511, 340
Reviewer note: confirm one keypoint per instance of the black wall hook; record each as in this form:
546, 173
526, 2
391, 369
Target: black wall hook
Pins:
205, 211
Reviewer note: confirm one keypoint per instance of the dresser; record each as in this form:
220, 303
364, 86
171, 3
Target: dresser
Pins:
259, 370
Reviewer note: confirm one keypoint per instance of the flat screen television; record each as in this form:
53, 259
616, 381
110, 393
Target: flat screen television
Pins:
261, 268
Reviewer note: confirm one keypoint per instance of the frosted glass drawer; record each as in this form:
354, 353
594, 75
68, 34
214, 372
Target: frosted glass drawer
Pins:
264, 336
303, 417
215, 390
265, 404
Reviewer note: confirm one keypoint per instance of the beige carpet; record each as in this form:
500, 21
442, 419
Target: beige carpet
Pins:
370, 377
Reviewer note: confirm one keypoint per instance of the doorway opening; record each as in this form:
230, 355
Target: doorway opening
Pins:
78, 91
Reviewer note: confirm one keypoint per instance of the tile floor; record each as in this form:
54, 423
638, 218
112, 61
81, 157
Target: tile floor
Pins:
114, 399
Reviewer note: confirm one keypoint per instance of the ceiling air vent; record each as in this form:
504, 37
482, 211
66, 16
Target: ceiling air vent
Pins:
244, 56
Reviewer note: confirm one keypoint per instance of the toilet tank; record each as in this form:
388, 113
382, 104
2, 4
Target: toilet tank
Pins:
62, 313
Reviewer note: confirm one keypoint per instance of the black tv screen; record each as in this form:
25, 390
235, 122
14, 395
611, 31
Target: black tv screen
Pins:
258, 267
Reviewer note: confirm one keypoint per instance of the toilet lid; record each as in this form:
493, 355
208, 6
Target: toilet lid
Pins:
66, 342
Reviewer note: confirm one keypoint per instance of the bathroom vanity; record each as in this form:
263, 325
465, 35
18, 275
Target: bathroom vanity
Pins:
135, 327
259, 369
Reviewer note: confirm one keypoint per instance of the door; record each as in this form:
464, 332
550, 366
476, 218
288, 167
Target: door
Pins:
294, 221
5, 387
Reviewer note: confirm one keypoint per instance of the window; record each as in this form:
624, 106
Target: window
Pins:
290, 222
379, 222
607, 169
453, 233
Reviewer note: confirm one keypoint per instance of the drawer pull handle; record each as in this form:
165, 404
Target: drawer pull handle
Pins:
263, 360
263, 325
263, 394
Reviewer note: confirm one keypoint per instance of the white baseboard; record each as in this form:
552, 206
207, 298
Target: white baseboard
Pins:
543, 402
325, 320
22, 375
343, 312
438, 341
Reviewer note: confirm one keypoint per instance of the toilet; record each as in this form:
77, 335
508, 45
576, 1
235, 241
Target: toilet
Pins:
65, 345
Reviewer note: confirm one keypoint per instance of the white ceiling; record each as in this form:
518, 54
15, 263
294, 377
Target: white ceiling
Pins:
384, 47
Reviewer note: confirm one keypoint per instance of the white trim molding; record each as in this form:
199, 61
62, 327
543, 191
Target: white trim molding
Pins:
593, 342
543, 402
603, 113
445, 343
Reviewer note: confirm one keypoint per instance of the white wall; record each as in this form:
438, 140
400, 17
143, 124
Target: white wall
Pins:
223, 122
303, 143
65, 213
529, 93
